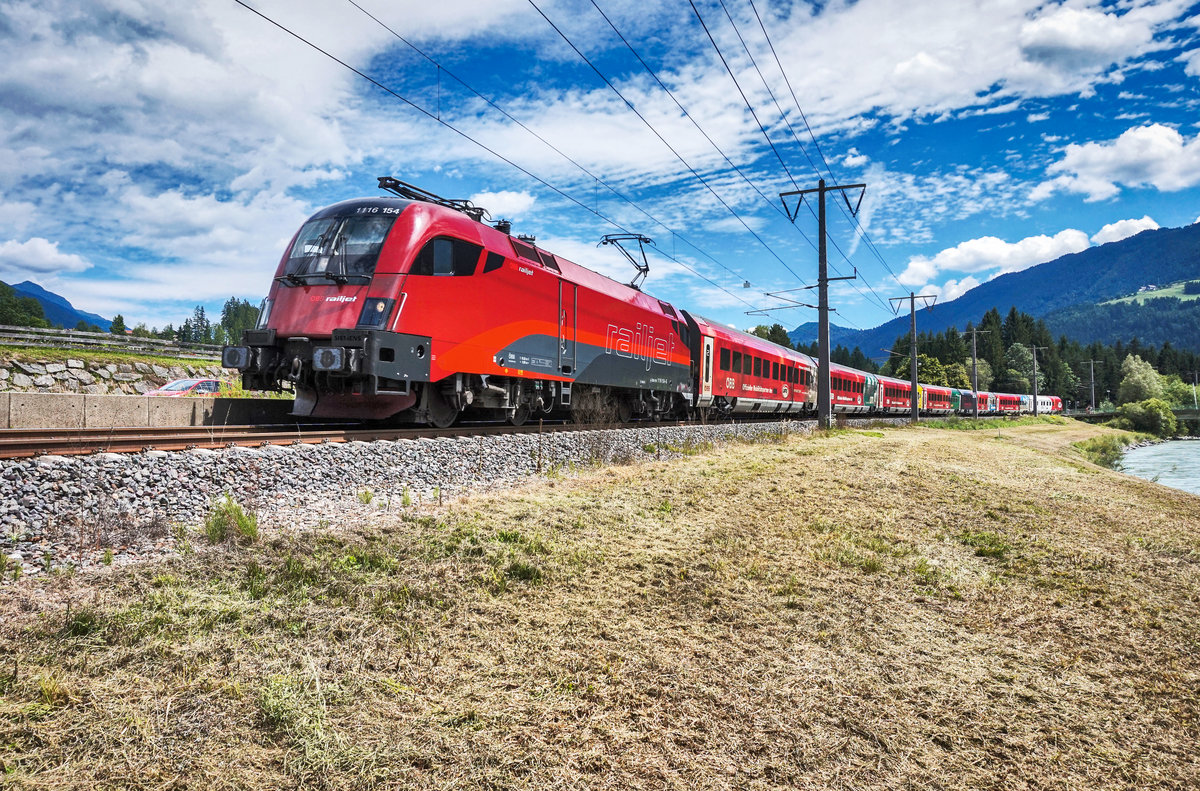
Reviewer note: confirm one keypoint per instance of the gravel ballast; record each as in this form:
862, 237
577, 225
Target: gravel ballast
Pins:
62, 511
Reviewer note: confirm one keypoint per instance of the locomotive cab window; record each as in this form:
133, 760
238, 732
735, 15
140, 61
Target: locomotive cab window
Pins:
339, 246
445, 256
494, 262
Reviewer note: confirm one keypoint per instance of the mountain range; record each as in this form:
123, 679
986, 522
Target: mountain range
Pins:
1066, 292
58, 310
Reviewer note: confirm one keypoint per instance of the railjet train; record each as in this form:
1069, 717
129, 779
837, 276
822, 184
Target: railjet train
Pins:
412, 308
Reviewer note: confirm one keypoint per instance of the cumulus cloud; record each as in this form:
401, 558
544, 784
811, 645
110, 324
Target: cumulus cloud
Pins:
504, 203
1123, 229
37, 256
990, 254
854, 159
1070, 39
1153, 155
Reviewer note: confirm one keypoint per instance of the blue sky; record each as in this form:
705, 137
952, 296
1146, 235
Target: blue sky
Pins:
158, 156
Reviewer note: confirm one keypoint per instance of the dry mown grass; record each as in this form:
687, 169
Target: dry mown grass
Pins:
863, 610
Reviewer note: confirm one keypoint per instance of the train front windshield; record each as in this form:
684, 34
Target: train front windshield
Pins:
338, 246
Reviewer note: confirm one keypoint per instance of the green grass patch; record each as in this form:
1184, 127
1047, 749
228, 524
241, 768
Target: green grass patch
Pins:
986, 544
971, 424
227, 520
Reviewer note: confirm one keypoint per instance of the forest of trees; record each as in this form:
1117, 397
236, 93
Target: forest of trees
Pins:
1124, 372
18, 311
1005, 360
840, 354
236, 315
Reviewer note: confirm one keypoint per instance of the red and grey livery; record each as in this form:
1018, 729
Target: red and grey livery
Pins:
413, 308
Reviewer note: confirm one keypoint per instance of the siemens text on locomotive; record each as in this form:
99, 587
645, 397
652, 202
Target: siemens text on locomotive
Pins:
412, 308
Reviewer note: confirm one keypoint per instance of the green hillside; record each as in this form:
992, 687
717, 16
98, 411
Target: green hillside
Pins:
1177, 290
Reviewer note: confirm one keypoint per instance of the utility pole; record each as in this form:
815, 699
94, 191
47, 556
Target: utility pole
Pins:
912, 310
975, 368
1092, 367
824, 400
1034, 349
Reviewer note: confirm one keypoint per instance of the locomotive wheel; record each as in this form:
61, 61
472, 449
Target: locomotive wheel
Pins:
624, 412
519, 415
441, 413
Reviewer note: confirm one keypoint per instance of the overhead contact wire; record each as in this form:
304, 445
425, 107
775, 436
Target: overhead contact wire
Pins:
862, 231
551, 146
656, 133
467, 137
712, 40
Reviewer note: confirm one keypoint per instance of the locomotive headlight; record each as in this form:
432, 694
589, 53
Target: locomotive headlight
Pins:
329, 358
236, 357
375, 312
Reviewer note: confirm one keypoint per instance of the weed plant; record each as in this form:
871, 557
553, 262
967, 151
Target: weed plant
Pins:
227, 520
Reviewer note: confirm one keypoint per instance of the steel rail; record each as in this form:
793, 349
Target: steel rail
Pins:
24, 443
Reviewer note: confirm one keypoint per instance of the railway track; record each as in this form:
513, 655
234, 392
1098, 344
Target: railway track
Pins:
23, 443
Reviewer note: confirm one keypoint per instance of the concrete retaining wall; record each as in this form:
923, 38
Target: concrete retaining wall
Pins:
71, 410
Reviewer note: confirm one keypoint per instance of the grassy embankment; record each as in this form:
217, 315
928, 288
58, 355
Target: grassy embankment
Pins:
898, 608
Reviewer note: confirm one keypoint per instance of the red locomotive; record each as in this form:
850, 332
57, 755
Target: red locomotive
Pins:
412, 308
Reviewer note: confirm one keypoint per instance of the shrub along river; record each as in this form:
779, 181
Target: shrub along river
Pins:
1175, 464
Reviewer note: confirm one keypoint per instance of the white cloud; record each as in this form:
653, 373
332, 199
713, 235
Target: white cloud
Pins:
1191, 61
990, 254
1071, 39
1035, 117
854, 159
1123, 229
504, 203
1154, 155
245, 118
36, 258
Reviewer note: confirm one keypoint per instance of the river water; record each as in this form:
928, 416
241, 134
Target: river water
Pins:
1175, 464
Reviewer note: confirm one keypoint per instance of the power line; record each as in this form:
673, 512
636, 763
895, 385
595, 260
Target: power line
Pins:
795, 137
695, 123
556, 150
862, 231
762, 128
707, 137
650, 126
464, 135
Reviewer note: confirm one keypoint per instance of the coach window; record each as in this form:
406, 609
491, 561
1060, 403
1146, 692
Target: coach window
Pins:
444, 256
737, 362
724, 360
747, 365
757, 366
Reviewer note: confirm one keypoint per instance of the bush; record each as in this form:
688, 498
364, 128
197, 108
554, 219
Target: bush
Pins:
1105, 450
1152, 416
